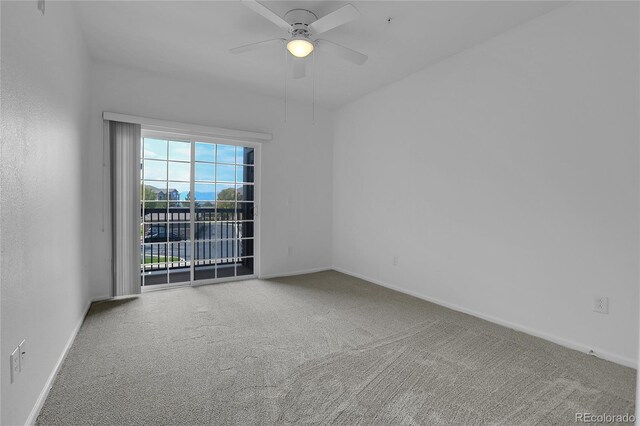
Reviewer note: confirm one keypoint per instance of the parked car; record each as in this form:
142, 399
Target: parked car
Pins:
158, 234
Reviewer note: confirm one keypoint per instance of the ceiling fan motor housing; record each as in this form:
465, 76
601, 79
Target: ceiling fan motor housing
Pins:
300, 20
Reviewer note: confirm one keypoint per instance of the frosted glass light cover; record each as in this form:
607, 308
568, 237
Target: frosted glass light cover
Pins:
300, 47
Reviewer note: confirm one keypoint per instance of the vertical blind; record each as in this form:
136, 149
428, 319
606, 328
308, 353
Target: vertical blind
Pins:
124, 142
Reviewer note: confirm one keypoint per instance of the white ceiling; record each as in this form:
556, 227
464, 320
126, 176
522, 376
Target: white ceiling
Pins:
190, 40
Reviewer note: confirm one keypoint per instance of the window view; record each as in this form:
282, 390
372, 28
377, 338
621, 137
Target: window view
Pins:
196, 211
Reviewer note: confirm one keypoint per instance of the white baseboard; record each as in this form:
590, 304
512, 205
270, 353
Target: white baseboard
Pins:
288, 274
627, 362
35, 411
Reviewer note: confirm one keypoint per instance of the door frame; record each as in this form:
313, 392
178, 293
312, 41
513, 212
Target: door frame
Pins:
191, 138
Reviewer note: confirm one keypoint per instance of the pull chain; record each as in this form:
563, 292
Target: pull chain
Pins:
286, 69
313, 102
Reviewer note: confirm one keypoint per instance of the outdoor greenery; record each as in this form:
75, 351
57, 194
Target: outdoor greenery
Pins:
148, 193
159, 259
228, 194
225, 199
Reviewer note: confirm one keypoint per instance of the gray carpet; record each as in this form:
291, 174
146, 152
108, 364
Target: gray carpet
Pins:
323, 348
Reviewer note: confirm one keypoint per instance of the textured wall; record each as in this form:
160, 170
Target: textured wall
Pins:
505, 179
42, 240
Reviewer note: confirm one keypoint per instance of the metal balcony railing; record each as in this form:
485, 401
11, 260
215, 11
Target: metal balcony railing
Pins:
219, 236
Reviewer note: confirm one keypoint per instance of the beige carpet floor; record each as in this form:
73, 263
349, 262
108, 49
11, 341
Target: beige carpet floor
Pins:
322, 348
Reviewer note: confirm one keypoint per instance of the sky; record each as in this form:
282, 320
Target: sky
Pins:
168, 161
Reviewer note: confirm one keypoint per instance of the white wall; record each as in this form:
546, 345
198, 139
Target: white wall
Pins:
44, 132
296, 165
505, 179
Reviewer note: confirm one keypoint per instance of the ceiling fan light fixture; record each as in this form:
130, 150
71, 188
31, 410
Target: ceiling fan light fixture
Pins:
300, 47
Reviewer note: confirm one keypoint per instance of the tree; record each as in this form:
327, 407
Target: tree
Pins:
187, 198
227, 197
150, 193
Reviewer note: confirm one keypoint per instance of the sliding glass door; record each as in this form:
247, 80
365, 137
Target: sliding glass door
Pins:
197, 210
224, 182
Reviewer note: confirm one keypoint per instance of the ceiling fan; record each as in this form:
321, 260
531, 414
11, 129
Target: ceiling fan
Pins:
302, 25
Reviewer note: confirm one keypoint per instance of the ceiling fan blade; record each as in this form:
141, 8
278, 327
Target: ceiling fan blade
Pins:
299, 67
267, 13
342, 52
339, 17
255, 46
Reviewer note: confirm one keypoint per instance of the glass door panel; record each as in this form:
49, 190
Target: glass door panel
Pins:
165, 247
224, 171
197, 207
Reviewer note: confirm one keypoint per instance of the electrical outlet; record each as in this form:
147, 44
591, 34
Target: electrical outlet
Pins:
395, 261
601, 305
23, 354
15, 364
